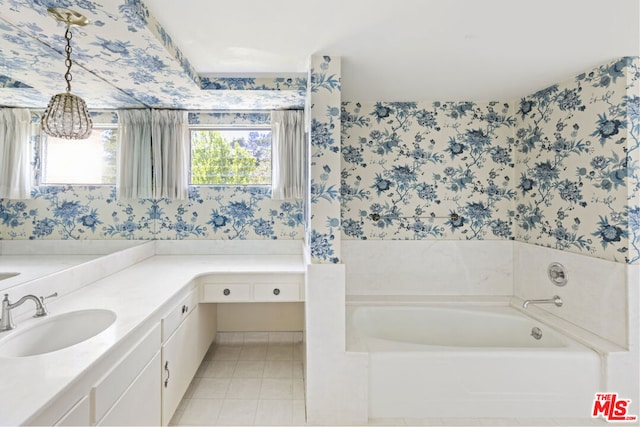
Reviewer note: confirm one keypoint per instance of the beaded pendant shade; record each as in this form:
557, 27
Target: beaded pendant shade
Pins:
67, 115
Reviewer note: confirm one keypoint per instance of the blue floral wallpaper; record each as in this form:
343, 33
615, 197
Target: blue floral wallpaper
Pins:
212, 212
132, 62
323, 113
92, 212
633, 154
577, 172
558, 168
415, 170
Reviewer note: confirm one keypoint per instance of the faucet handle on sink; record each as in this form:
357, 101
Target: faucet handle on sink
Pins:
55, 294
42, 310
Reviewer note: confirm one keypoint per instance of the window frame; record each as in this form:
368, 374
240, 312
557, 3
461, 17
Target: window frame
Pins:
222, 128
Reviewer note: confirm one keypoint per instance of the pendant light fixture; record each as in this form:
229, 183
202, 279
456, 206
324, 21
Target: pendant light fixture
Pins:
66, 115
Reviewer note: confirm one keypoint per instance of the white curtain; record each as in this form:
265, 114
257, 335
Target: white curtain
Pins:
288, 154
170, 146
15, 168
134, 155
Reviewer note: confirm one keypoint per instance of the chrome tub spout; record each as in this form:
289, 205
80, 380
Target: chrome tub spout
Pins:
555, 300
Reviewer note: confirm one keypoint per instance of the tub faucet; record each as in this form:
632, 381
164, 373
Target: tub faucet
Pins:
6, 322
555, 300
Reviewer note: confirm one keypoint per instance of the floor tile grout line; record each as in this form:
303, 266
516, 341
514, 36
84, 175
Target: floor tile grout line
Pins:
230, 376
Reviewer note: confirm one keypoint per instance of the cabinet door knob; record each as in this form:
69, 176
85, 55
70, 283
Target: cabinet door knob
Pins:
226, 292
276, 291
166, 368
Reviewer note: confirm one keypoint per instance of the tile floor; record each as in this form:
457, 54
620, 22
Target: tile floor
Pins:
254, 381
477, 422
257, 379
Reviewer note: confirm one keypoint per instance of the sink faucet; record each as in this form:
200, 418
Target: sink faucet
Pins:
555, 300
6, 322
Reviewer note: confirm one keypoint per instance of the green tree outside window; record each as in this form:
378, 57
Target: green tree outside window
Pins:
230, 157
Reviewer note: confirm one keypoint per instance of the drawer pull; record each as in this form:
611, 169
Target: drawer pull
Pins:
226, 292
185, 308
166, 368
276, 291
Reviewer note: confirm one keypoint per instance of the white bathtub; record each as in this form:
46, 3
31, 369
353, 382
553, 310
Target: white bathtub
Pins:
463, 360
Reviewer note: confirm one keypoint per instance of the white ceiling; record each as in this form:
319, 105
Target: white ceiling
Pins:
398, 50
393, 50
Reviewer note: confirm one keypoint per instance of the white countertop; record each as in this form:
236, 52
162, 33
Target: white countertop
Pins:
138, 295
30, 270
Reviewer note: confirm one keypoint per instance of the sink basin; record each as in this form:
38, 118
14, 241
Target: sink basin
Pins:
55, 332
5, 275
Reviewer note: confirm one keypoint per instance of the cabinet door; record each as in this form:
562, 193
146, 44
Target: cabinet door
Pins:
182, 354
179, 364
139, 405
114, 384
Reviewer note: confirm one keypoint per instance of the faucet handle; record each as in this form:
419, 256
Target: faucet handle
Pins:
55, 294
41, 310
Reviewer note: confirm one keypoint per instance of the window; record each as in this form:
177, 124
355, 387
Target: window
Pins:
88, 161
219, 156
231, 156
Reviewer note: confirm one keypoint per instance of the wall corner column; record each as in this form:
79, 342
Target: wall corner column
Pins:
323, 114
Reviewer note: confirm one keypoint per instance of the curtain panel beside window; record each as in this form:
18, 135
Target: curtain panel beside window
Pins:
288, 154
170, 147
134, 155
15, 168
153, 155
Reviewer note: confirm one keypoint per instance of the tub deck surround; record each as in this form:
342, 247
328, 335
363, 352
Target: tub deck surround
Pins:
577, 333
138, 295
469, 360
336, 380
428, 267
596, 295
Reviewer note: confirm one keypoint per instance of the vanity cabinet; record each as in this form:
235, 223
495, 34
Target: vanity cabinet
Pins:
186, 344
142, 376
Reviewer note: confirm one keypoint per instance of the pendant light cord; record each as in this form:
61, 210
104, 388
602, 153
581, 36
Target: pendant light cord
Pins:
67, 115
67, 62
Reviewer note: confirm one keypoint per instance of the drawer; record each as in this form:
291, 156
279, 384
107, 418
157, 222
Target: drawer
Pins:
276, 292
172, 320
230, 292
